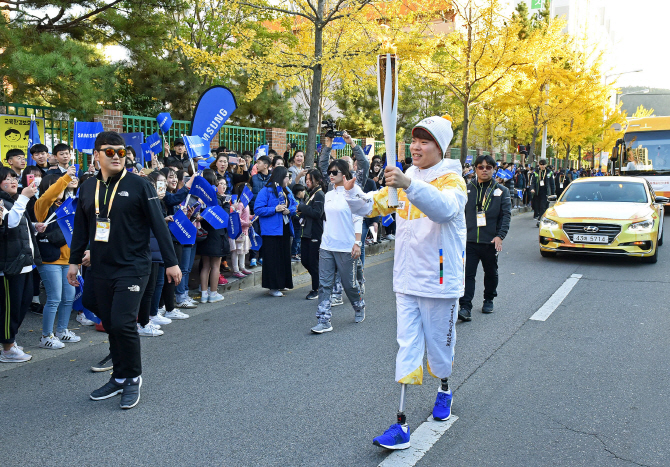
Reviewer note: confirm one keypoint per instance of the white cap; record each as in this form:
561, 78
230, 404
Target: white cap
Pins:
439, 128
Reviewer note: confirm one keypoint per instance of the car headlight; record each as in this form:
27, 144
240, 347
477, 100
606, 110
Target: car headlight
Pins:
642, 227
547, 223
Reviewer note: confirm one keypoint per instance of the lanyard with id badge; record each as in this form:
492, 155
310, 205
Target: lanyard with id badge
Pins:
481, 208
102, 224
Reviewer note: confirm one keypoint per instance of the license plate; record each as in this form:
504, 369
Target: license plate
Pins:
590, 238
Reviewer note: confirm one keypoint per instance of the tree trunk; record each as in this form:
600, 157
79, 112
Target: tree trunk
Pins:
579, 157
315, 101
466, 99
464, 137
531, 154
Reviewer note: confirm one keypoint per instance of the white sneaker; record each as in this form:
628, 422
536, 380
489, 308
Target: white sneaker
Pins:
215, 297
161, 311
149, 330
390, 237
83, 320
160, 320
184, 304
275, 293
14, 355
51, 342
204, 296
335, 301
193, 302
176, 314
68, 336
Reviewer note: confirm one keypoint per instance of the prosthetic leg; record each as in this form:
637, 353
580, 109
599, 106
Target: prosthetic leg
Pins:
402, 420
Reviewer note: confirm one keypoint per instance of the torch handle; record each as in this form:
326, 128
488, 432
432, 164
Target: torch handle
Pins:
393, 197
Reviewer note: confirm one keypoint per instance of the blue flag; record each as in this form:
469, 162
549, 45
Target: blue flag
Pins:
387, 220
66, 224
203, 190
233, 199
519, 193
216, 217
367, 149
77, 305
135, 141
468, 159
338, 143
182, 228
261, 150
203, 164
196, 146
246, 196
146, 151
234, 225
33, 139
85, 134
254, 239
164, 121
214, 107
155, 143
68, 208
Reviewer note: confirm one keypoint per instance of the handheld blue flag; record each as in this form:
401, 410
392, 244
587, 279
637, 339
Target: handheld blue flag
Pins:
246, 196
203, 190
203, 164
135, 141
146, 151
338, 143
182, 228
164, 121
196, 146
367, 149
234, 225
233, 199
254, 239
155, 143
387, 220
216, 217
33, 139
85, 134
519, 193
68, 208
66, 224
468, 159
212, 110
77, 305
261, 150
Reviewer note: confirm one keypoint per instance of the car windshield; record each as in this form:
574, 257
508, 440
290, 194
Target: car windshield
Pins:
612, 191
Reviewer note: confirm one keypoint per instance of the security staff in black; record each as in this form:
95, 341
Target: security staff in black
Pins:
543, 186
487, 216
115, 214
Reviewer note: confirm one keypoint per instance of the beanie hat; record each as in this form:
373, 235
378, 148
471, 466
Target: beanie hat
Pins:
439, 128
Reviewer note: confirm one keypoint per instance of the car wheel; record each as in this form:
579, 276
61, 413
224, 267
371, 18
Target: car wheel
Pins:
653, 258
660, 237
548, 254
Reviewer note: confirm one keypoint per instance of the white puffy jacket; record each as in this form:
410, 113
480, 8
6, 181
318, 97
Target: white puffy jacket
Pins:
431, 234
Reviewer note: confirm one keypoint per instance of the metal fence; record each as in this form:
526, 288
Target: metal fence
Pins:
240, 139
149, 126
300, 140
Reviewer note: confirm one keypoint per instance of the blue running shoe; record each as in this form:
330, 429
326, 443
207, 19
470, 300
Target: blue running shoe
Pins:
442, 409
252, 263
393, 438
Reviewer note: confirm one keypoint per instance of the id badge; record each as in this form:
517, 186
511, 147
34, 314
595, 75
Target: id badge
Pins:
102, 230
481, 219
560, 185
541, 182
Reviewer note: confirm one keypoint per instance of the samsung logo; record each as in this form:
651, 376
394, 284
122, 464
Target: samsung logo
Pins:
214, 126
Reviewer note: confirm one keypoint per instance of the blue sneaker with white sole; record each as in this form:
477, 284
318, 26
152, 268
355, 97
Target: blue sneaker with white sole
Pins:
396, 437
442, 409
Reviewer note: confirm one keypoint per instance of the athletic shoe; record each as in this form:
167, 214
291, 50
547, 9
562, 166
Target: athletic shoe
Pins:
245, 272
103, 365
312, 295
260, 261
336, 301
295, 259
149, 330
223, 280
51, 342
396, 437
359, 316
14, 355
160, 320
68, 336
252, 263
361, 287
275, 293
161, 311
36, 308
204, 296
442, 409
224, 266
176, 314
390, 237
239, 275
111, 389
83, 320
131, 393
464, 314
322, 327
488, 306
215, 297
185, 304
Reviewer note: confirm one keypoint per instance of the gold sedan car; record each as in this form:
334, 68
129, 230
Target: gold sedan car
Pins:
605, 215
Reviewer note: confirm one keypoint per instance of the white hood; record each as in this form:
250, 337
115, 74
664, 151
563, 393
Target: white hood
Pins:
601, 210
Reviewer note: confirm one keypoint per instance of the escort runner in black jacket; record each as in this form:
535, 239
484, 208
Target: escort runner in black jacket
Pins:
487, 217
115, 214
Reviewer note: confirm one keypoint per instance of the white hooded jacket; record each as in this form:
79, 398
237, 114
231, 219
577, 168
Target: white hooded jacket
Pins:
431, 233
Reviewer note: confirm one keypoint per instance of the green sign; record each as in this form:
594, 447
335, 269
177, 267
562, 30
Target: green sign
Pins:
535, 4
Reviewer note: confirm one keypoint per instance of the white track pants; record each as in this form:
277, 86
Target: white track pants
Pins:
425, 324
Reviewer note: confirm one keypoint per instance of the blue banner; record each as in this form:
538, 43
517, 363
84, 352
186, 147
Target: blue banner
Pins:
33, 139
211, 112
233, 199
216, 217
85, 134
66, 224
246, 196
68, 208
504, 174
135, 141
338, 143
146, 151
387, 220
155, 143
164, 121
182, 228
203, 190
468, 159
202, 165
261, 150
196, 146
367, 149
254, 239
234, 225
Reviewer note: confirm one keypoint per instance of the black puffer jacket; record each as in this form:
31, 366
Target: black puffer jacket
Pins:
15, 253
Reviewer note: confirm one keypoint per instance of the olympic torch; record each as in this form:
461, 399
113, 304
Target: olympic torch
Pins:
387, 87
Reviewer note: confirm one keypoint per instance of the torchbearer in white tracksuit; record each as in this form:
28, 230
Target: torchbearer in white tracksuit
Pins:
429, 261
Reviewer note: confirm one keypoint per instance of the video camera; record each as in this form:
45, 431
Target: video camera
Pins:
330, 125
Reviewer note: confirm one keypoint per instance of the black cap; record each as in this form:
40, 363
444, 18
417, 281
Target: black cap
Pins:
178, 141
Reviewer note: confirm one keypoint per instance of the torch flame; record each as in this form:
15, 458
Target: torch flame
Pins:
386, 45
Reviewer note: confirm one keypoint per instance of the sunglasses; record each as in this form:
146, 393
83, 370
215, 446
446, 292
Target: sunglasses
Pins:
109, 152
484, 167
334, 173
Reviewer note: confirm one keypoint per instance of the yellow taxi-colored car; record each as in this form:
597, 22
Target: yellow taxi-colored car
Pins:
605, 215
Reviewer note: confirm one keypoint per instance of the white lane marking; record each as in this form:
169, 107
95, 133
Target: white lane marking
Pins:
422, 440
556, 299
